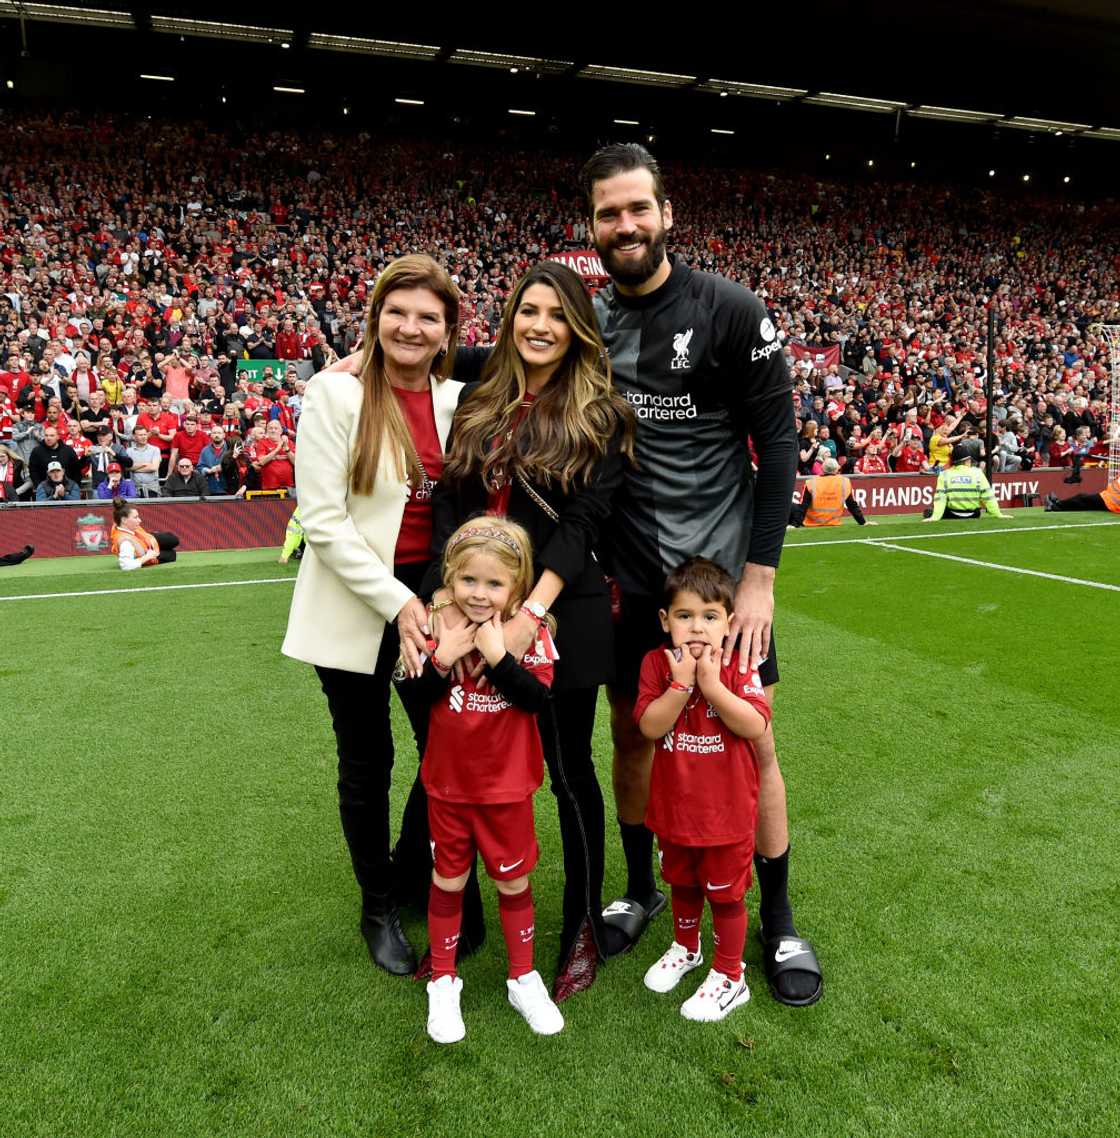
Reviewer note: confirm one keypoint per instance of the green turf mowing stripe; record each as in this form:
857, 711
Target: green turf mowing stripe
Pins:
996, 565
151, 589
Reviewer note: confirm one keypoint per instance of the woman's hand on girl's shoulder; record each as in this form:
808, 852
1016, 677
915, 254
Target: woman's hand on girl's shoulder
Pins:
351, 364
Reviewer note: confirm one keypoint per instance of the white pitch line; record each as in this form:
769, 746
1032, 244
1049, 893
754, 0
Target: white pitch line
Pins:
151, 589
947, 533
996, 565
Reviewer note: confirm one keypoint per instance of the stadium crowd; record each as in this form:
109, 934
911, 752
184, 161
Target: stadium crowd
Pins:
140, 261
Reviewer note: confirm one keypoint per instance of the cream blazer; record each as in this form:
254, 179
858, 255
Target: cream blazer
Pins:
346, 591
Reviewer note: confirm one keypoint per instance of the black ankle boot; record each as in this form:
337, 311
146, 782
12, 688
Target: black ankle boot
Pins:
385, 939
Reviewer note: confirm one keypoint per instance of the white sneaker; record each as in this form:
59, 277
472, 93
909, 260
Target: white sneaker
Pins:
445, 1021
665, 974
716, 998
530, 998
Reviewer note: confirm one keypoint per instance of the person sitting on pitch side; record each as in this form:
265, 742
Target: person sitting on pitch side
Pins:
1107, 499
962, 491
825, 498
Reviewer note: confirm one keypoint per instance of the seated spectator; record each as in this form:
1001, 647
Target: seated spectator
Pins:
145, 464
56, 487
185, 482
273, 458
115, 485
104, 454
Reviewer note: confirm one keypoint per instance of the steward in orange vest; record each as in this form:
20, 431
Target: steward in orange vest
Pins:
1107, 499
824, 499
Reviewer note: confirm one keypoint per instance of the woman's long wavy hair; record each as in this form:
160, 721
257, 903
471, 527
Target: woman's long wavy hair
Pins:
381, 418
572, 420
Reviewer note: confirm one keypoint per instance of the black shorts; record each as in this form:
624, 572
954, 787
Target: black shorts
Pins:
639, 630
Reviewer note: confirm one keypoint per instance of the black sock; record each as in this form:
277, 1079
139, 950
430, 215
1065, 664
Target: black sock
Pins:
637, 846
774, 910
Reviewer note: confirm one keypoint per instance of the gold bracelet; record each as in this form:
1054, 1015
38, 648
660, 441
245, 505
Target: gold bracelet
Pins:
441, 605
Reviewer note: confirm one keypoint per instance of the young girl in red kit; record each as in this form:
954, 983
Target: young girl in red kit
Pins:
703, 800
483, 762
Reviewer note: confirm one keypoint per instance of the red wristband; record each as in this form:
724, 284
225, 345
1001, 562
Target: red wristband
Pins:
677, 686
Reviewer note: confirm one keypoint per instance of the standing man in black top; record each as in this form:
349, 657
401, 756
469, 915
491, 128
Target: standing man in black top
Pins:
701, 363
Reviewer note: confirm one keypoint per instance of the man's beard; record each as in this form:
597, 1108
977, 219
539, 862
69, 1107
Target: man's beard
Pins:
637, 272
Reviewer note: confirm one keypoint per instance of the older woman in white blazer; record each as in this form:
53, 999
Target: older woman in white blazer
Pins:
370, 451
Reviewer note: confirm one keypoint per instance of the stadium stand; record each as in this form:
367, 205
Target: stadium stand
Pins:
153, 261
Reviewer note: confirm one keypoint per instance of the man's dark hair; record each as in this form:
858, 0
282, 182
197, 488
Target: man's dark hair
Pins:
620, 158
709, 581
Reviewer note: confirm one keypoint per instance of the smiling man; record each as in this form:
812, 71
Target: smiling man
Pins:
700, 361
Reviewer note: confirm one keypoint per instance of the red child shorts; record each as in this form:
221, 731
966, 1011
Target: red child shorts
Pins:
723, 872
501, 832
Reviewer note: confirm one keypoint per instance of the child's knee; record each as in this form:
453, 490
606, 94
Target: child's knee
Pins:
513, 886
450, 884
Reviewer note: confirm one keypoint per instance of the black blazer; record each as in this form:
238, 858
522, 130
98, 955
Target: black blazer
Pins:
584, 629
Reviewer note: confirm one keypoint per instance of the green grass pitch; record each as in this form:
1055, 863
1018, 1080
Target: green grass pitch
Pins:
178, 921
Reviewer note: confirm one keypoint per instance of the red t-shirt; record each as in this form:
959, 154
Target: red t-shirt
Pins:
278, 474
481, 749
704, 784
414, 542
872, 464
908, 459
190, 446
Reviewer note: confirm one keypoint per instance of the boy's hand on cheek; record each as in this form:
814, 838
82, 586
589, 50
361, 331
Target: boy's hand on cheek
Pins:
708, 669
684, 669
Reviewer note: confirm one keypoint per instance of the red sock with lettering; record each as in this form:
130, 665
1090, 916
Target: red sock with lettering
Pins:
517, 918
445, 918
688, 908
729, 924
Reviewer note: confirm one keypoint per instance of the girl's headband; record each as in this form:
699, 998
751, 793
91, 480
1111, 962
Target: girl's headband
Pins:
487, 532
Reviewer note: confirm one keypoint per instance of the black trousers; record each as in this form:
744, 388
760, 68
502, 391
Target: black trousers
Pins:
1080, 502
566, 727
168, 543
359, 708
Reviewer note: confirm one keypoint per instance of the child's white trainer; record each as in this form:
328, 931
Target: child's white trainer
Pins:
530, 998
716, 998
665, 974
445, 1020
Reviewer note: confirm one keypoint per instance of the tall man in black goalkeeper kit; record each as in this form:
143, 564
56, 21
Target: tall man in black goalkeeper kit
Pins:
702, 365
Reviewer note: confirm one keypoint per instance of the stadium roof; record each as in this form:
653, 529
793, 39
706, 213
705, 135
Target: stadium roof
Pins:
1030, 58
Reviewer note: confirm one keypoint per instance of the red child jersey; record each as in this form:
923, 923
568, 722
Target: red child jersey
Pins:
414, 542
481, 749
704, 786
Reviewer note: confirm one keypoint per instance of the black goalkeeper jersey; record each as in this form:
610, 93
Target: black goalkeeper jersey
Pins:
702, 365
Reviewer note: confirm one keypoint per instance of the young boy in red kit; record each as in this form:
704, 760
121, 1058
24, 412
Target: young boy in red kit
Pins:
703, 799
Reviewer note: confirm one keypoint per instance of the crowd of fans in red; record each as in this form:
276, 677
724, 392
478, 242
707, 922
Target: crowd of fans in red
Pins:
141, 260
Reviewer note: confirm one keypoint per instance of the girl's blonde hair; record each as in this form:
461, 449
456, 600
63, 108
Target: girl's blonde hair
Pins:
502, 539
381, 420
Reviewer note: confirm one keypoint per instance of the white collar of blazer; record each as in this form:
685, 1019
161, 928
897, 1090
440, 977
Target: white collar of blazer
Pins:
445, 401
